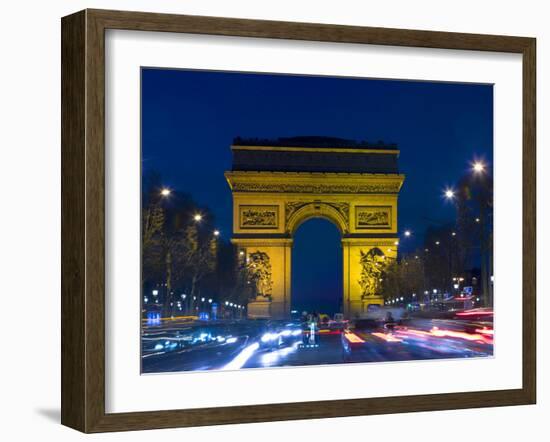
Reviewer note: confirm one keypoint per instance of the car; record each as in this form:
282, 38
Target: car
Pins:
366, 325
338, 322
276, 334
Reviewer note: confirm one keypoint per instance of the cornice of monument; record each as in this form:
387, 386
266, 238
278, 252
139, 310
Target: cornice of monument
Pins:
313, 182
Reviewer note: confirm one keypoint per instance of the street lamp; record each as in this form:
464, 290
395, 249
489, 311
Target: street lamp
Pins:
407, 233
216, 233
197, 217
478, 167
165, 192
449, 193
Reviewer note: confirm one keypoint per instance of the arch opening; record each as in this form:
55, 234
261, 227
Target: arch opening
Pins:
317, 267
320, 210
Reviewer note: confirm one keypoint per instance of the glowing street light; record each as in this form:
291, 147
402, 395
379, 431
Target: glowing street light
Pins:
197, 217
216, 233
449, 194
407, 233
165, 192
478, 167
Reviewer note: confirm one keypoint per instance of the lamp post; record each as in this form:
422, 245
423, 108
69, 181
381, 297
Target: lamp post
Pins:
185, 302
479, 169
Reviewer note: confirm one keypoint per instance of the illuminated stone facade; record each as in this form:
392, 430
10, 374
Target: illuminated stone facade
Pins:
271, 199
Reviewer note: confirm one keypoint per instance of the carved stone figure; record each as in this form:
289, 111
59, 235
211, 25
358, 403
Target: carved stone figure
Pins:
372, 267
259, 273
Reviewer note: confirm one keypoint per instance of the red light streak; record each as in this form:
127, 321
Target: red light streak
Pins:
482, 336
474, 313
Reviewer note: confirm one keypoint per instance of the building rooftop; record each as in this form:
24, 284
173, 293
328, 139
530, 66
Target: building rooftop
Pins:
313, 141
314, 154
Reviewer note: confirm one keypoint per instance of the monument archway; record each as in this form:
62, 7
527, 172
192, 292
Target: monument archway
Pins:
317, 268
279, 184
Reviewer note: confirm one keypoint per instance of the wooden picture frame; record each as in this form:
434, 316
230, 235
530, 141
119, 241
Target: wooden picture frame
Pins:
83, 220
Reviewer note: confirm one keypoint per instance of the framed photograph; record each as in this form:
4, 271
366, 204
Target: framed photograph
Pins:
265, 221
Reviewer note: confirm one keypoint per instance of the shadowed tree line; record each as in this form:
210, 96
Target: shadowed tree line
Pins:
183, 253
459, 249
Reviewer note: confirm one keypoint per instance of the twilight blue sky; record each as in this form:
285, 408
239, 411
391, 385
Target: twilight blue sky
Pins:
189, 119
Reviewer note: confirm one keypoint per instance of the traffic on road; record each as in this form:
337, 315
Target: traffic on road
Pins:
190, 344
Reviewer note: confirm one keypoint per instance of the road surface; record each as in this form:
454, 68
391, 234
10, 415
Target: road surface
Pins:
174, 346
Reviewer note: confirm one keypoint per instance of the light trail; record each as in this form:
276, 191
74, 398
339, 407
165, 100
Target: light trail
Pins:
242, 357
272, 357
480, 335
387, 337
474, 313
352, 337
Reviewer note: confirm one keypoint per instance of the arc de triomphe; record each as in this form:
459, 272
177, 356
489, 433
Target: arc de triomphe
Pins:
279, 184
